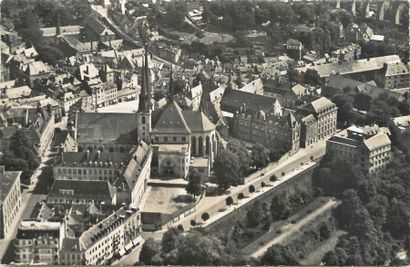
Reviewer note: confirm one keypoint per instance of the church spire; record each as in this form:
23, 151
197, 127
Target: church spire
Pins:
146, 92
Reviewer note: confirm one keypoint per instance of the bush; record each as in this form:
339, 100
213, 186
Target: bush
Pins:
251, 189
229, 201
273, 178
180, 228
205, 216
193, 223
241, 196
263, 184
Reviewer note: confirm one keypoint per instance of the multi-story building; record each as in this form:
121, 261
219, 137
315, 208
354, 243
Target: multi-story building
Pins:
38, 242
318, 119
367, 147
10, 200
90, 166
105, 94
261, 119
103, 240
395, 76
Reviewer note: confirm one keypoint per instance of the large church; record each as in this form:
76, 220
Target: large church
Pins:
182, 139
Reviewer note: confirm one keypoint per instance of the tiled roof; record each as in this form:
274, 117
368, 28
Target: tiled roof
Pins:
376, 141
322, 104
107, 128
84, 189
171, 120
233, 100
397, 69
97, 26
361, 65
131, 173
78, 158
298, 90
197, 121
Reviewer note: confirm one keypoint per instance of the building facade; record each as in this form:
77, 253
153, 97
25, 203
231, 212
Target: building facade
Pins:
38, 242
318, 121
368, 147
10, 200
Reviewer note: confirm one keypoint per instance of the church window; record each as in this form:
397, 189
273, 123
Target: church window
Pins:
165, 138
143, 120
183, 139
174, 138
156, 138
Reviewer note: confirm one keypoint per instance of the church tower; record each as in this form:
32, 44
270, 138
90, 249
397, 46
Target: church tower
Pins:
145, 102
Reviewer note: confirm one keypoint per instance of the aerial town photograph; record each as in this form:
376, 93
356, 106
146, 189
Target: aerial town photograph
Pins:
205, 132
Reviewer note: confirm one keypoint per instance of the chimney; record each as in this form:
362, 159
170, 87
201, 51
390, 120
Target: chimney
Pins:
2, 170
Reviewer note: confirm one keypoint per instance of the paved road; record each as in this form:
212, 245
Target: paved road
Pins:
294, 228
29, 199
214, 204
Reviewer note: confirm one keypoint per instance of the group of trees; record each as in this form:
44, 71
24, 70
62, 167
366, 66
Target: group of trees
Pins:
277, 19
234, 163
193, 248
375, 210
378, 109
21, 155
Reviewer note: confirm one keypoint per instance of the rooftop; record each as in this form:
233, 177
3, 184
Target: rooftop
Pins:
84, 189
107, 128
361, 65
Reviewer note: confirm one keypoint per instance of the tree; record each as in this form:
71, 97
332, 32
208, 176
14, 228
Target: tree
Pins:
243, 155
149, 249
280, 207
205, 216
227, 169
194, 184
196, 249
361, 101
312, 77
193, 223
229, 201
345, 212
254, 214
170, 240
279, 255
241, 196
260, 155
330, 259
251, 189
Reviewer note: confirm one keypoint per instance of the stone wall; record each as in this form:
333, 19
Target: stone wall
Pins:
302, 182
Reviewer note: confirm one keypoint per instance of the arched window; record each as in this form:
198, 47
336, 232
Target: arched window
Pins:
143, 120
193, 145
201, 149
208, 144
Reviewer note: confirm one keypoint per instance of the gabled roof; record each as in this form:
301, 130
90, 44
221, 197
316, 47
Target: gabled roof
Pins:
171, 120
133, 169
83, 189
197, 121
376, 141
233, 100
97, 26
107, 128
322, 104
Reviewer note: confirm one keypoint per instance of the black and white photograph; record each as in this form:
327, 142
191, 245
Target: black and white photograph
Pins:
204, 133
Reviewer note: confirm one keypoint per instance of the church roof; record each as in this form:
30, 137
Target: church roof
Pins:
171, 120
107, 128
197, 121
